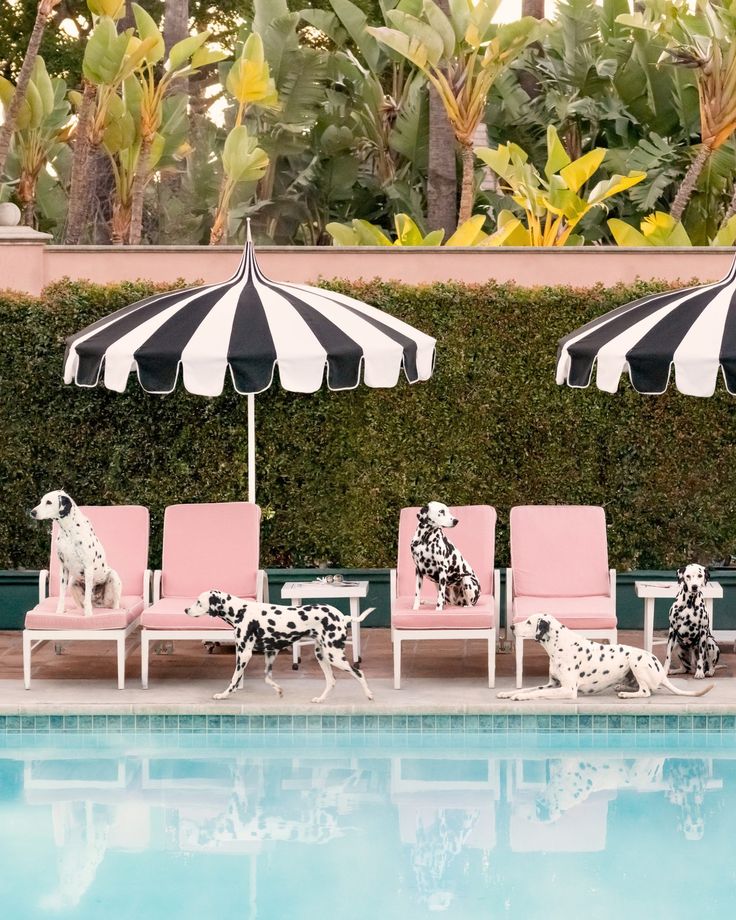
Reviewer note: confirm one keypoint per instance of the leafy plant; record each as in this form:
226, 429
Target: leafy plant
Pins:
461, 55
363, 233
660, 229
551, 204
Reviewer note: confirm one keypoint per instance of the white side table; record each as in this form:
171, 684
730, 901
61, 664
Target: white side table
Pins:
296, 592
651, 590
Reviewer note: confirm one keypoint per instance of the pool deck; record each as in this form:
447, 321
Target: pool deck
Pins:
437, 677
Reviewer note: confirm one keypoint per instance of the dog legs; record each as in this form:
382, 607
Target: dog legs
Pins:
441, 590
241, 663
418, 592
270, 658
63, 580
88, 586
550, 691
319, 654
337, 658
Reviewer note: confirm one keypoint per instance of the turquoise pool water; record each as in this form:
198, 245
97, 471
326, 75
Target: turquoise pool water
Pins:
378, 827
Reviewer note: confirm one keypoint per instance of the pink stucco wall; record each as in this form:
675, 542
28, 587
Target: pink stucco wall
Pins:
29, 267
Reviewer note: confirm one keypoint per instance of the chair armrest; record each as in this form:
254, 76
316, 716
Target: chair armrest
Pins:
156, 585
262, 586
509, 597
612, 576
43, 585
392, 585
147, 575
497, 598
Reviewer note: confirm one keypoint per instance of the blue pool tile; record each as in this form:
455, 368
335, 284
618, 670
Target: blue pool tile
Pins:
700, 723
213, 724
571, 723
642, 723
457, 723
56, 723
728, 723
671, 723
314, 723
156, 723
471, 723
115, 724
600, 724
86, 724
99, 723
485, 723
127, 723
199, 724
557, 723
414, 723
656, 723
371, 723
543, 723
270, 723
42, 724
628, 723
171, 723
614, 723
385, 723
428, 723
399, 723
143, 724
185, 724
685, 723
342, 723
714, 723
299, 723
585, 723
12, 724
286, 724
257, 723
71, 723
357, 724
228, 723
328, 723
514, 723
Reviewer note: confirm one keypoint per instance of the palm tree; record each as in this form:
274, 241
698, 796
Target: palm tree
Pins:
43, 14
460, 55
442, 165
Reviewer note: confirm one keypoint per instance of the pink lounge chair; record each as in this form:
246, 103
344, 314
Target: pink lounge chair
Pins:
559, 565
474, 536
123, 531
205, 546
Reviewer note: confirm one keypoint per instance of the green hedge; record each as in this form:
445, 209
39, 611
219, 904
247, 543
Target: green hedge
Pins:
335, 468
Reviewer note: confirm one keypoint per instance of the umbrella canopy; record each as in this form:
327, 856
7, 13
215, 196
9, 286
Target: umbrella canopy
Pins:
692, 330
249, 327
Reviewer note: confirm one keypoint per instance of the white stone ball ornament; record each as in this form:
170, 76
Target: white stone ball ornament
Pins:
9, 214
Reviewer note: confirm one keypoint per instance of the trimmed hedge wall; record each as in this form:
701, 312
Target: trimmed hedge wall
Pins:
335, 468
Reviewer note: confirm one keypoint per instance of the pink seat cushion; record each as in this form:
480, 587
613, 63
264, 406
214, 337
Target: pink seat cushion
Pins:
575, 612
210, 545
44, 615
559, 550
479, 617
474, 536
168, 613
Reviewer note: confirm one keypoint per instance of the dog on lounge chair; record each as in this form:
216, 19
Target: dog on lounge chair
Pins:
689, 633
437, 559
84, 568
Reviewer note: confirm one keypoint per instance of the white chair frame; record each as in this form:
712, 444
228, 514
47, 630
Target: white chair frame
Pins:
34, 638
611, 635
205, 635
408, 635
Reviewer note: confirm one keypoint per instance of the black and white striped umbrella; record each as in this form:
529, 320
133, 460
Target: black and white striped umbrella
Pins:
691, 330
248, 326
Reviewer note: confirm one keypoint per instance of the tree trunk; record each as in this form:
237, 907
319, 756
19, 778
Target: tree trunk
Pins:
44, 11
467, 196
218, 233
102, 190
442, 165
684, 193
137, 193
79, 186
176, 22
533, 8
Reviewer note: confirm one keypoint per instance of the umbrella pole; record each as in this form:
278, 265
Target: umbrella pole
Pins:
251, 448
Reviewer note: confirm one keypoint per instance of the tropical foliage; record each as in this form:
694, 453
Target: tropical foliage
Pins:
317, 118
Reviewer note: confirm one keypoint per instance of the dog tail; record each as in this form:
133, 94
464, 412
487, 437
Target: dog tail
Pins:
676, 690
365, 614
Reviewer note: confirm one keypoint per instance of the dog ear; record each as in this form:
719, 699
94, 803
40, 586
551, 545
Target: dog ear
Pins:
65, 505
214, 599
706, 573
680, 574
423, 513
542, 628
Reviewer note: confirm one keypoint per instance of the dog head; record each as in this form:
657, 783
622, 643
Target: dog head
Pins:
693, 578
215, 603
53, 506
436, 515
538, 626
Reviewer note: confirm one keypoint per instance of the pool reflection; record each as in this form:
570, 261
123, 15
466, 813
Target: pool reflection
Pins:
408, 832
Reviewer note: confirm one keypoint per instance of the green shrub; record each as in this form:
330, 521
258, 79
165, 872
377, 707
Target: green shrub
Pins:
335, 468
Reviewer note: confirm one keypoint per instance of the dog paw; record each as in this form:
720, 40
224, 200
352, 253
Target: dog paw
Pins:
505, 695
220, 696
699, 675
317, 699
370, 696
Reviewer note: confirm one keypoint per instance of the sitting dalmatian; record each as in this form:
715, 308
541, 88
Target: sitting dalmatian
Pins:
437, 559
689, 632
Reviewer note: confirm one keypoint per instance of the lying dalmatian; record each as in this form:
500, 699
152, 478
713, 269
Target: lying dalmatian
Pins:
577, 665
689, 633
437, 559
269, 628
84, 568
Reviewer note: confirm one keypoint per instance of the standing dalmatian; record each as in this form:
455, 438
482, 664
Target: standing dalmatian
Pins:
437, 559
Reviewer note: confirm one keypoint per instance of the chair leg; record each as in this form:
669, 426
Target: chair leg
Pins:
121, 663
492, 660
519, 662
397, 663
26, 659
144, 660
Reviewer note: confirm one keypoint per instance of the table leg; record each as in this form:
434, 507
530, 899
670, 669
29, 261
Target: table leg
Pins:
295, 650
355, 628
648, 623
709, 609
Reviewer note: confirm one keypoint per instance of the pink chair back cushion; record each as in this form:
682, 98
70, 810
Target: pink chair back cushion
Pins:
211, 545
559, 551
123, 531
474, 536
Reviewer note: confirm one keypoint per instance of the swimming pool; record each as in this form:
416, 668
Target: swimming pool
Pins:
385, 826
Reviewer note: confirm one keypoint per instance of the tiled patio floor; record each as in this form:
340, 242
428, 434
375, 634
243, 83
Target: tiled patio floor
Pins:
446, 677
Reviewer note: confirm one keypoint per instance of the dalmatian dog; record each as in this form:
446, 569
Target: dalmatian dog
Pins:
687, 781
437, 559
269, 628
84, 568
577, 665
689, 633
